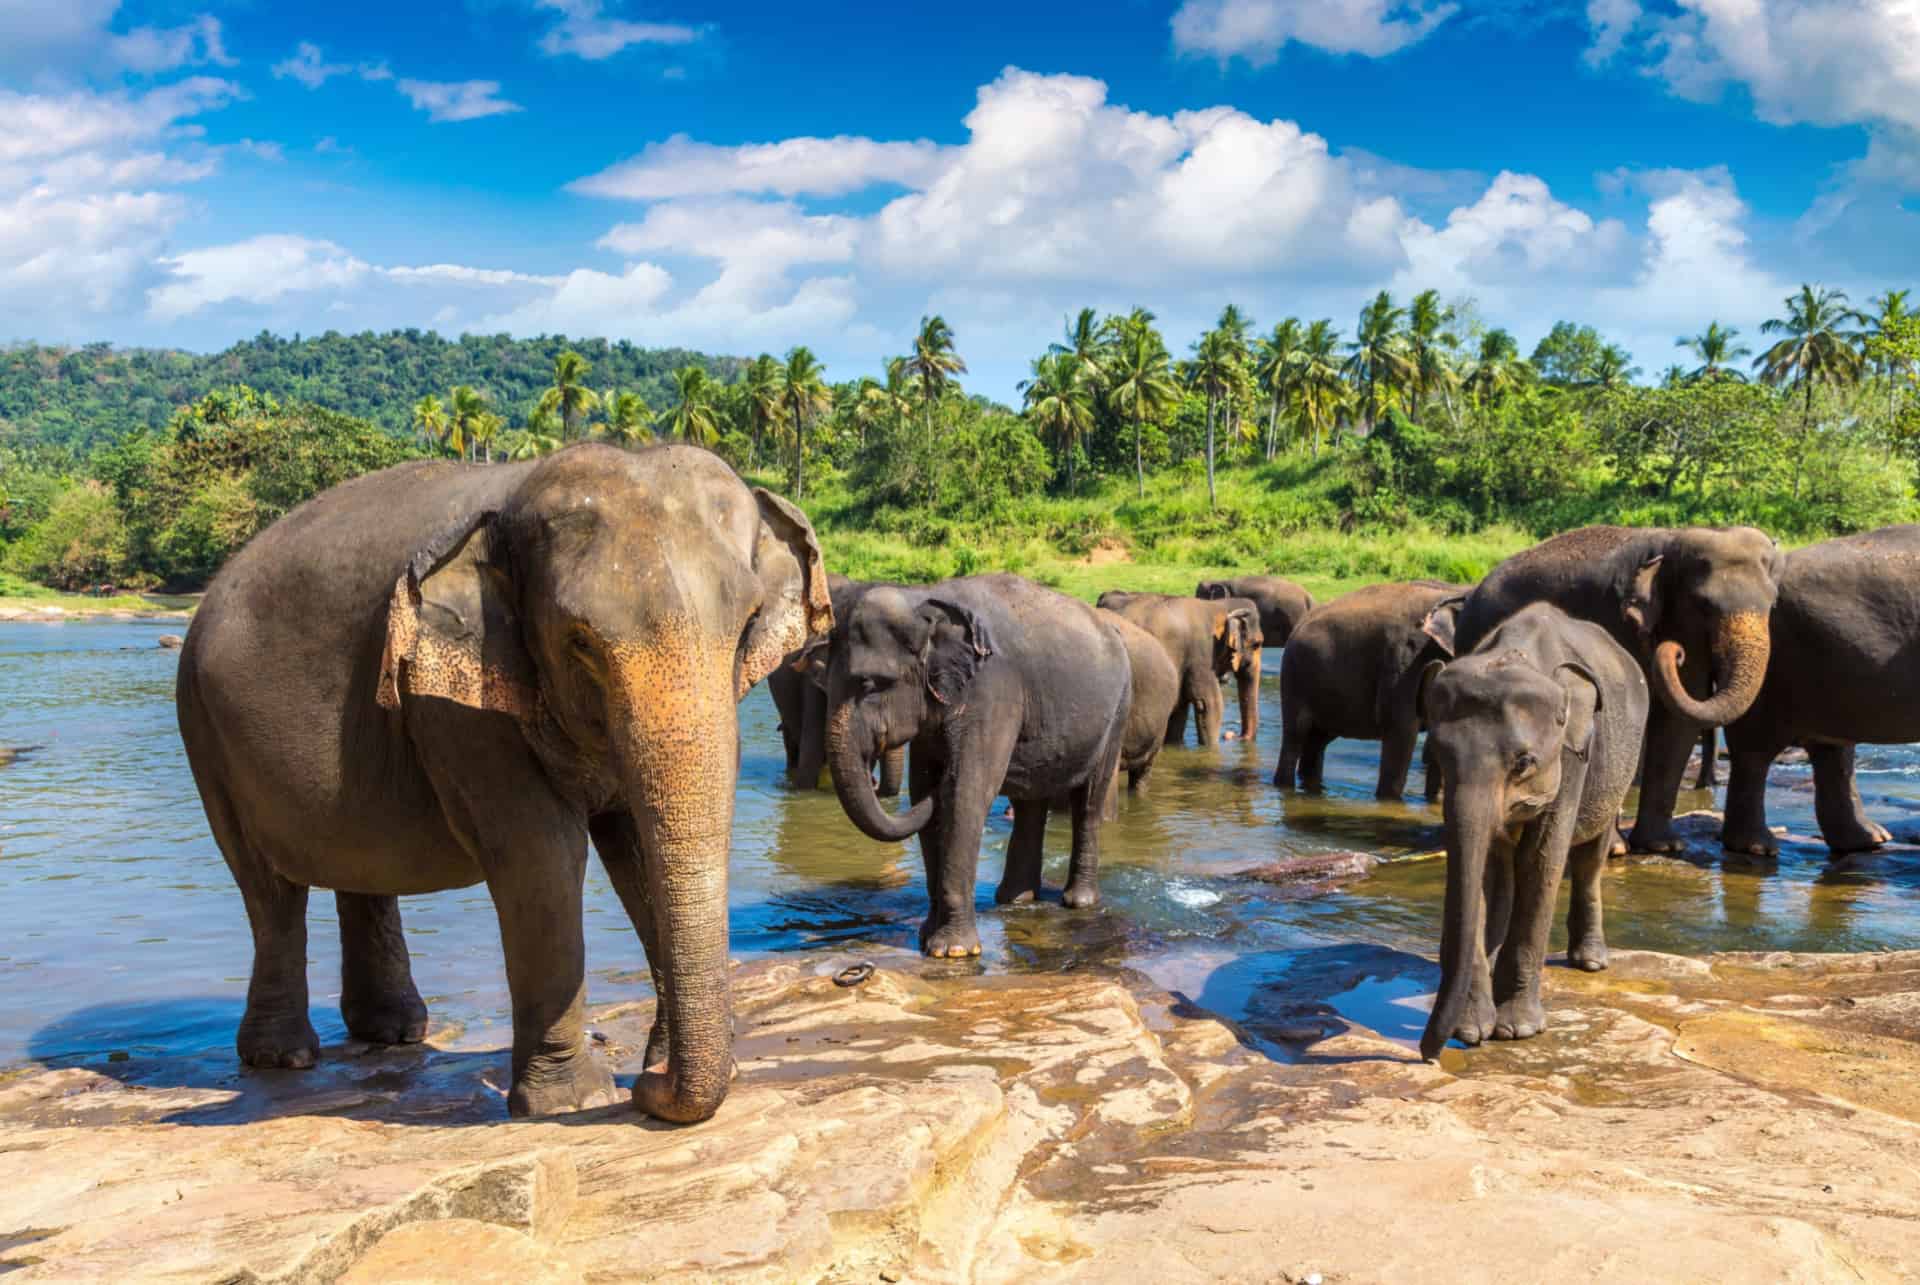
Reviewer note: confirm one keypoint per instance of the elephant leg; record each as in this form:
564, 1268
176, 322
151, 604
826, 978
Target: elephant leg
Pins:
1586, 928
893, 770
1709, 775
1294, 726
1139, 778
1021, 881
1669, 743
812, 754
1498, 895
1744, 828
1177, 721
1396, 760
1844, 823
377, 995
1313, 760
617, 839
1539, 862
275, 1031
1436, 778
1083, 874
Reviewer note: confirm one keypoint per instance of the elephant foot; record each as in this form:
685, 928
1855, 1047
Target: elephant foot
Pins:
656, 1054
1520, 1018
1662, 841
1081, 895
578, 1084
397, 1019
1863, 836
1475, 1025
950, 941
1589, 954
287, 1042
1617, 846
1761, 844
1015, 894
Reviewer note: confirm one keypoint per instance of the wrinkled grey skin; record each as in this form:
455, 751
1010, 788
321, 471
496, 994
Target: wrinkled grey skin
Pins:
1354, 668
1845, 669
1156, 689
441, 675
1206, 640
1282, 603
1690, 604
1538, 732
1000, 687
799, 691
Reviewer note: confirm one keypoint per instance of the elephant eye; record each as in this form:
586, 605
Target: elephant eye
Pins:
873, 683
1523, 763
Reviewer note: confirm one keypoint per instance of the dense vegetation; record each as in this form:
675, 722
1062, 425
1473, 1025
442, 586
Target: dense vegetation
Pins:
1424, 444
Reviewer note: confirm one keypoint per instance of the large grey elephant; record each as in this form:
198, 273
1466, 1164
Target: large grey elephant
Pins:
1538, 733
1156, 689
798, 688
1691, 604
1844, 669
1000, 687
1354, 668
442, 675
1207, 639
1282, 603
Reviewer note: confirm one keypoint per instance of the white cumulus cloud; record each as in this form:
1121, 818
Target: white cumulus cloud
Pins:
447, 101
1257, 30
587, 31
791, 167
258, 270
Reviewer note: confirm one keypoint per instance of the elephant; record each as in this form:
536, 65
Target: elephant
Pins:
1207, 640
1156, 689
798, 689
1845, 668
440, 675
1538, 732
1691, 603
1353, 668
1282, 603
999, 687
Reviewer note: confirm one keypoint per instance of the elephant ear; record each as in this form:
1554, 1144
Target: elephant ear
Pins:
796, 607
1212, 589
1582, 701
1639, 598
1415, 693
1441, 622
957, 642
1243, 636
452, 631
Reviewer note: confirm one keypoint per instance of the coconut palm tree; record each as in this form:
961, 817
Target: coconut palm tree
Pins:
1319, 391
570, 396
1816, 348
1427, 343
1889, 311
804, 394
762, 395
430, 417
1086, 345
465, 404
1212, 372
1498, 367
691, 417
1612, 368
933, 362
1378, 362
484, 430
1059, 403
1276, 366
1717, 348
627, 420
1140, 381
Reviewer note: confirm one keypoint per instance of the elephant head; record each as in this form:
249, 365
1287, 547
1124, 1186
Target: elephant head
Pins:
619, 605
901, 665
1505, 731
1710, 591
1236, 639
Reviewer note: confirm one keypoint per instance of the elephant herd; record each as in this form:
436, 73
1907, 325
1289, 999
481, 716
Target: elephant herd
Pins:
442, 675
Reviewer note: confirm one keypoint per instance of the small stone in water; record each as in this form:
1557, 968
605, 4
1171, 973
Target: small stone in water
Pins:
119, 1055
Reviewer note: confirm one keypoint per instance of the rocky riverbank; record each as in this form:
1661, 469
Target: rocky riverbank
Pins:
1740, 1118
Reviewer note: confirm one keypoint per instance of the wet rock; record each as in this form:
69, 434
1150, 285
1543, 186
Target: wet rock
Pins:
1321, 872
1749, 1117
169, 642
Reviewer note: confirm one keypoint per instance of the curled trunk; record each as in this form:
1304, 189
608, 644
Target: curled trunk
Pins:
1470, 828
1741, 646
853, 782
893, 771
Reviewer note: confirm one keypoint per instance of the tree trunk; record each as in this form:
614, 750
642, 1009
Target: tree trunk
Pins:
1273, 425
1210, 400
1139, 459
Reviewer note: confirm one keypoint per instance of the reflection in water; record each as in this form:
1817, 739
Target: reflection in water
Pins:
120, 929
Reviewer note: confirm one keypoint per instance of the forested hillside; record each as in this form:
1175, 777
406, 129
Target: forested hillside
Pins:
80, 398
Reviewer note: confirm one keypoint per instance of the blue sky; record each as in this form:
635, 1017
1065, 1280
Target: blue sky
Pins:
745, 177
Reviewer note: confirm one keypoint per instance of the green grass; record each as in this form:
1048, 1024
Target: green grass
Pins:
16, 592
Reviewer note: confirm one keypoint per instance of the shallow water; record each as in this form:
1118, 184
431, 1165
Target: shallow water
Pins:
120, 929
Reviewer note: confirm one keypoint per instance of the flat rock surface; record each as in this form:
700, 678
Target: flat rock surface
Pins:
1737, 1118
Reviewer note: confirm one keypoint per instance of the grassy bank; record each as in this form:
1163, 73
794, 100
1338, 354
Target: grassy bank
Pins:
17, 594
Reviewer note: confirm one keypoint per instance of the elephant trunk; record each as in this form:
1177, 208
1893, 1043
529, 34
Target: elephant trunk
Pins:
1470, 826
893, 771
1741, 646
853, 781
676, 743
1248, 680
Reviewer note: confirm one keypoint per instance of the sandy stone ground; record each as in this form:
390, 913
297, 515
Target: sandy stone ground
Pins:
1738, 1118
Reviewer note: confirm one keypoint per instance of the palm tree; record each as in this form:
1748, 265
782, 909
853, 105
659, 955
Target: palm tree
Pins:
465, 404
1236, 326
430, 417
691, 417
1612, 368
804, 393
1276, 362
762, 391
570, 395
1059, 403
1377, 361
1717, 347
1817, 348
1086, 345
627, 418
1498, 368
1140, 381
1427, 342
1212, 372
484, 429
1890, 309
1319, 390
934, 362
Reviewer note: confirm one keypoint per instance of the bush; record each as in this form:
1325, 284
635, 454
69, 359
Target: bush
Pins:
81, 542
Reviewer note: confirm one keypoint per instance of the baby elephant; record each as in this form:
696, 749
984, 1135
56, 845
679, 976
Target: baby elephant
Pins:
1538, 732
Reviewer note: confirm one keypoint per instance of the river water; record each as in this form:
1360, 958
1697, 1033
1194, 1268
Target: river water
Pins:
121, 930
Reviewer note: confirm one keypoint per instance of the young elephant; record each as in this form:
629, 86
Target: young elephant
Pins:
1538, 731
1207, 640
1000, 687
1282, 603
1354, 669
1156, 689
799, 691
